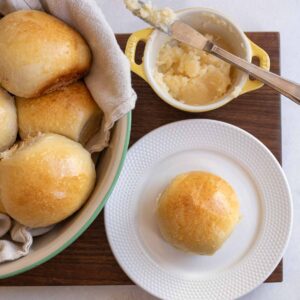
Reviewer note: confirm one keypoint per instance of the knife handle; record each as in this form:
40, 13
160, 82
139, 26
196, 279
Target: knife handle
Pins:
285, 87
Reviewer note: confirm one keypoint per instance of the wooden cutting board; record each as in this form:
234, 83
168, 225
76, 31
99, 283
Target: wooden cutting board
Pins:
89, 261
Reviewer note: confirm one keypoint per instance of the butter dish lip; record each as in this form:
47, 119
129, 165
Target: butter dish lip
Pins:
247, 258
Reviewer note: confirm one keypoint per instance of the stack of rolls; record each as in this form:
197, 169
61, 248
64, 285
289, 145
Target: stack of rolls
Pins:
46, 174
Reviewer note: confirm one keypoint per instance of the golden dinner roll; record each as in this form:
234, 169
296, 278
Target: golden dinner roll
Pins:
45, 179
70, 111
197, 212
8, 120
39, 53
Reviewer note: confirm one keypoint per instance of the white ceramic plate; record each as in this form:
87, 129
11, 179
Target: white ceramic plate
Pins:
250, 254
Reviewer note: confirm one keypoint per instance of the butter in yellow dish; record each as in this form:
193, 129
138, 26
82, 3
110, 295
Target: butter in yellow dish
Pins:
190, 75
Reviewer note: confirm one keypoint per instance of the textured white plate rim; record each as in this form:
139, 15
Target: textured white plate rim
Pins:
109, 218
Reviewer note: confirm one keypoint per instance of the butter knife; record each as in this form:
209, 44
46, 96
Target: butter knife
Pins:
186, 34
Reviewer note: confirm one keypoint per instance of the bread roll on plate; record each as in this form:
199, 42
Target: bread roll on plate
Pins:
8, 120
197, 212
39, 53
70, 111
45, 179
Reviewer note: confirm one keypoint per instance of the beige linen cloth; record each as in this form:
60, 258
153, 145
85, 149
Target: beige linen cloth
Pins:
108, 81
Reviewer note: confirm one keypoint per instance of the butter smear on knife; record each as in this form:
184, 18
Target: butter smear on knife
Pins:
161, 18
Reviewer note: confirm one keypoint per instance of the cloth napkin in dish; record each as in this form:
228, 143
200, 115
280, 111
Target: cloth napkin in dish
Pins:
108, 81
20, 238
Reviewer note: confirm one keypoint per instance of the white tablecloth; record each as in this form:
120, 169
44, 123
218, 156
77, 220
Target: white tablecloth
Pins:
254, 15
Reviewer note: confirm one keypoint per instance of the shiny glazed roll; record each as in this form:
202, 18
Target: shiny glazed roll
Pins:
45, 179
39, 53
70, 111
197, 212
8, 120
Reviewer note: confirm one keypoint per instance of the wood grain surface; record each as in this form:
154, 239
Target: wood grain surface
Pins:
89, 260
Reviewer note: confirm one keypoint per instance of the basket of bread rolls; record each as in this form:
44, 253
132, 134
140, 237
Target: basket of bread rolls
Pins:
61, 146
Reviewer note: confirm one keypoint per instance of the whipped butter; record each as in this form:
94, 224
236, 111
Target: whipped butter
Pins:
158, 17
190, 75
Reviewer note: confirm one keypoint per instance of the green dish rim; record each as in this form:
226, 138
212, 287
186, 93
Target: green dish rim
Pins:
91, 219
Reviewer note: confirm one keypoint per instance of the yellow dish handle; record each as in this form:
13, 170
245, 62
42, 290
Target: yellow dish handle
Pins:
264, 62
134, 39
